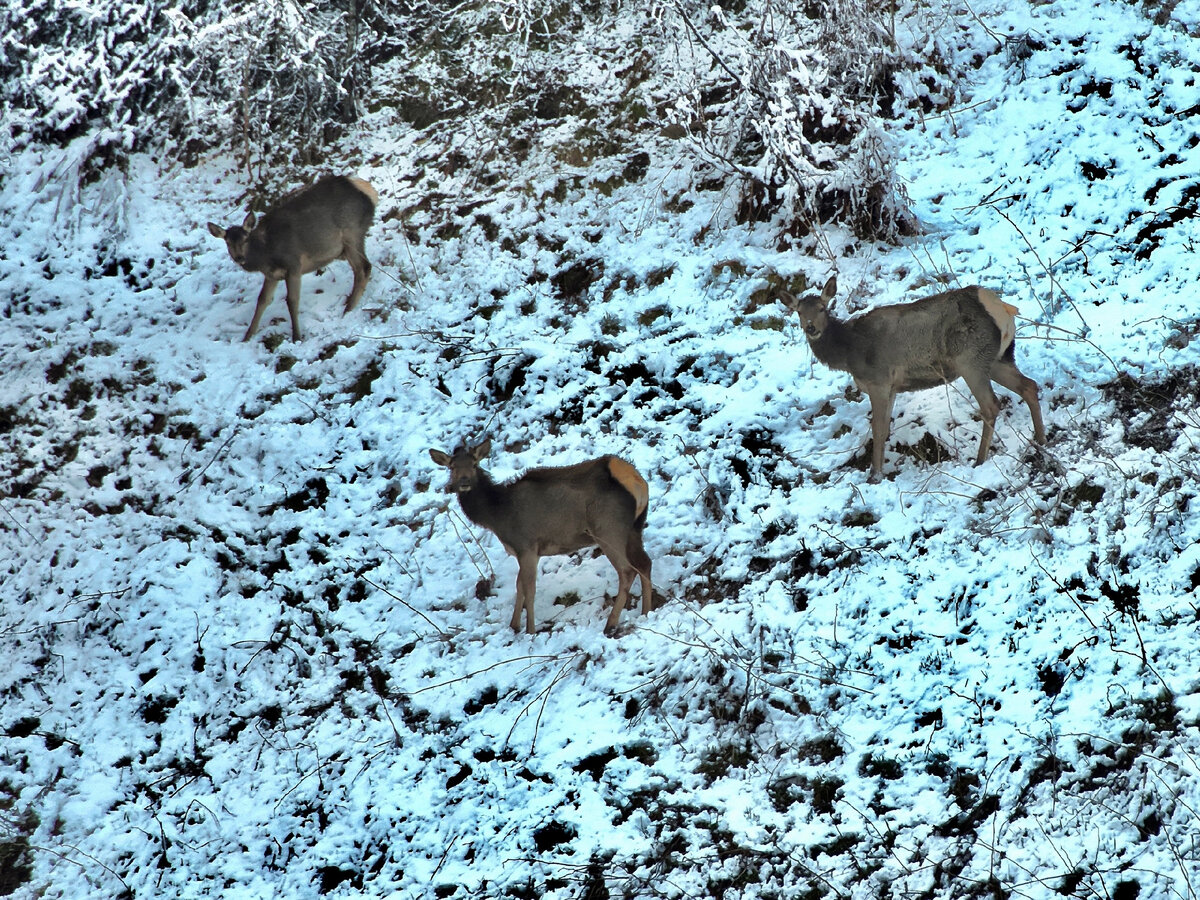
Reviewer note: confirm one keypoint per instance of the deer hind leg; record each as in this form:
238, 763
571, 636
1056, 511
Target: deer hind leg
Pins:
265, 296
1006, 374
641, 563
356, 255
882, 402
989, 408
625, 576
526, 587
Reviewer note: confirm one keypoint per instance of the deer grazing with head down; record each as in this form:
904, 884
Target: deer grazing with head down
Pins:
303, 232
552, 511
965, 333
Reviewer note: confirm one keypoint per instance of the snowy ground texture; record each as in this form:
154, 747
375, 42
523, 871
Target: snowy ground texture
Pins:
254, 650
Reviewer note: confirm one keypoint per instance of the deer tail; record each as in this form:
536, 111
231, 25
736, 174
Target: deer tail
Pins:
627, 476
365, 187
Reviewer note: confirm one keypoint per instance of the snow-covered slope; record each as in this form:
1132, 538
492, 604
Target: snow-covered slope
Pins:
254, 649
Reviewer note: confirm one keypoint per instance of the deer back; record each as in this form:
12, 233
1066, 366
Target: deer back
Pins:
311, 227
551, 510
561, 509
924, 343
306, 230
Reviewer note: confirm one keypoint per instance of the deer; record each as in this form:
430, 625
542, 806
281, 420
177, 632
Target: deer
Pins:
553, 511
965, 333
305, 231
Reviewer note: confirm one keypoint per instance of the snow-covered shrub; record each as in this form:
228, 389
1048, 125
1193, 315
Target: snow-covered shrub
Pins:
789, 103
109, 68
793, 98
280, 76
272, 78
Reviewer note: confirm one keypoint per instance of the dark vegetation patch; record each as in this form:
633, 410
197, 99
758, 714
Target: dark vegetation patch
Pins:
573, 282
820, 793
637, 383
594, 763
707, 585
872, 766
1151, 235
760, 456
24, 727
967, 822
1125, 598
8, 419
719, 761
156, 709
1091, 87
508, 375
680, 832
313, 495
330, 878
361, 386
820, 750
1085, 496
1154, 408
1052, 678
488, 697
16, 852
554, 834
860, 518
927, 450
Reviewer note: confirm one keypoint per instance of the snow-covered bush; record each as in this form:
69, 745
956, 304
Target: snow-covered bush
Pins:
108, 68
788, 101
272, 79
793, 99
281, 76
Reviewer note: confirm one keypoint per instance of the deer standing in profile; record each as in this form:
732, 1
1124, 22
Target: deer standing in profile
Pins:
552, 511
965, 333
305, 231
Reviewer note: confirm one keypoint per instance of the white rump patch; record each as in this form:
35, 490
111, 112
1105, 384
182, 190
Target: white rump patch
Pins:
365, 187
1003, 314
629, 479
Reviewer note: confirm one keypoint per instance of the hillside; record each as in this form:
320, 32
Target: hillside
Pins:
255, 650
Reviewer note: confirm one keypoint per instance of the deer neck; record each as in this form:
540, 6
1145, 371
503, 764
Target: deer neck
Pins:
485, 502
837, 346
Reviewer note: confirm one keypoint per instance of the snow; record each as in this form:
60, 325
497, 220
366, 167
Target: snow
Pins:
249, 639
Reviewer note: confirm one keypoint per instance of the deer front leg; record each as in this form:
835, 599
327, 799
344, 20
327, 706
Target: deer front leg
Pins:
1008, 375
882, 402
264, 300
293, 302
526, 587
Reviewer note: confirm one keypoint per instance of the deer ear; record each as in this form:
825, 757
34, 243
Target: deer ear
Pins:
216, 230
442, 459
248, 222
481, 451
830, 290
789, 300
